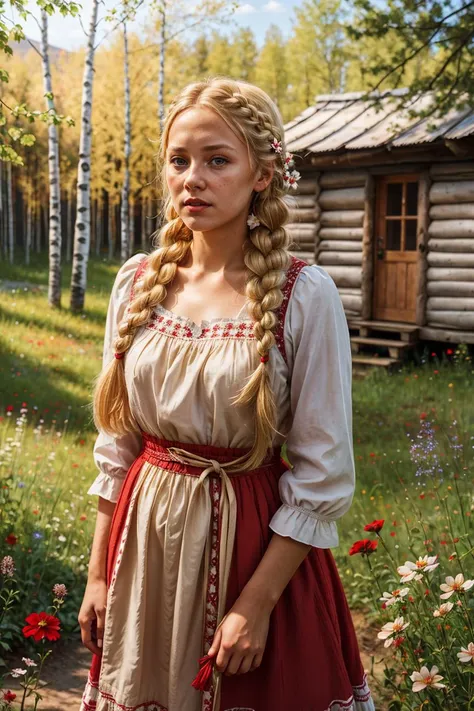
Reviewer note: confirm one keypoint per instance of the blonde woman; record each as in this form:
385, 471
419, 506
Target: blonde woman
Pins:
212, 586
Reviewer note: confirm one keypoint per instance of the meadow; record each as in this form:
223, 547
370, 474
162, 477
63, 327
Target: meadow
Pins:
409, 531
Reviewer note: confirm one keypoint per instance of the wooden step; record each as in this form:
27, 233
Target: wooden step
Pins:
387, 343
385, 326
408, 332
373, 360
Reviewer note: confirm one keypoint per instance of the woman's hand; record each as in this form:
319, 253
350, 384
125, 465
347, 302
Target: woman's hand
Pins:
92, 614
240, 639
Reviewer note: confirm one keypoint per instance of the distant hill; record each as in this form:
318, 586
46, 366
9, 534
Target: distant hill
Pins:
24, 46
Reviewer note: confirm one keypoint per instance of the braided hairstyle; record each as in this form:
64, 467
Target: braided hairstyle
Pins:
254, 118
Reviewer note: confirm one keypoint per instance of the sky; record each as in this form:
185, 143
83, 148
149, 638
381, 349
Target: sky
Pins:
67, 33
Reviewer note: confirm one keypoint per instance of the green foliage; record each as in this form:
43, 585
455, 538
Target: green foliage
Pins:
16, 34
439, 32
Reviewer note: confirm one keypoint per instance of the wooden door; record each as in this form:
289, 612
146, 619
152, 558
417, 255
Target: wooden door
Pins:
395, 249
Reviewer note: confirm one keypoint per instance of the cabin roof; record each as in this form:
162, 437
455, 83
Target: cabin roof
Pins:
351, 122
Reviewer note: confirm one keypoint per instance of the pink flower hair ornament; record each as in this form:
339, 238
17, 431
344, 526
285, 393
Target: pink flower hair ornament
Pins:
290, 178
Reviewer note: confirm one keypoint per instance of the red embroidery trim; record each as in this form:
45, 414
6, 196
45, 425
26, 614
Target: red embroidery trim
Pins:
138, 273
291, 276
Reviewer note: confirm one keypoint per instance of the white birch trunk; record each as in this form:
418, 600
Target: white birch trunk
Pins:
161, 76
110, 227
11, 242
125, 207
98, 244
28, 233
54, 236
68, 225
82, 227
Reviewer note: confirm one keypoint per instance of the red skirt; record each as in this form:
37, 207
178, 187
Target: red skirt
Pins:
311, 660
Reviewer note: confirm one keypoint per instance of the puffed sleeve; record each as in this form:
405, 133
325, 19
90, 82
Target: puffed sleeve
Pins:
114, 455
320, 487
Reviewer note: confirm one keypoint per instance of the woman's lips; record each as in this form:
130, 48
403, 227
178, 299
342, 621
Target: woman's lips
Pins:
196, 208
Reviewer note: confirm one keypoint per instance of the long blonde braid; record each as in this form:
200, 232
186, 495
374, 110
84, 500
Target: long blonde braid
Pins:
254, 117
111, 405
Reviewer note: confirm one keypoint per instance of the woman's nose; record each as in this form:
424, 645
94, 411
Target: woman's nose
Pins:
194, 177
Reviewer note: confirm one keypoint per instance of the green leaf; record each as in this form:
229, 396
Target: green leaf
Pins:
27, 139
14, 133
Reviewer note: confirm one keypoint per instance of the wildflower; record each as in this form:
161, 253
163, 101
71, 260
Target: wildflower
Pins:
41, 625
253, 221
375, 526
7, 566
18, 672
394, 596
424, 678
29, 662
59, 590
37, 535
390, 629
456, 584
409, 571
11, 539
364, 547
9, 696
443, 609
466, 655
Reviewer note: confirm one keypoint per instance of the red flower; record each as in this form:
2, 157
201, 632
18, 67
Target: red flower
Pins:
11, 539
9, 408
392, 533
365, 547
9, 696
422, 415
449, 351
398, 641
375, 526
41, 625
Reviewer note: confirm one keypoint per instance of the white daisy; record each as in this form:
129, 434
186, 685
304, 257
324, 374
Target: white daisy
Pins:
393, 597
456, 584
443, 609
466, 655
423, 565
390, 629
29, 662
424, 678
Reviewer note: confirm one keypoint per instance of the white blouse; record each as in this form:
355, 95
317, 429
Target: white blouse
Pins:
180, 376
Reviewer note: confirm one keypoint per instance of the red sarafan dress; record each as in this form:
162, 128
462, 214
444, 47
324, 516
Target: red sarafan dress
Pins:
190, 527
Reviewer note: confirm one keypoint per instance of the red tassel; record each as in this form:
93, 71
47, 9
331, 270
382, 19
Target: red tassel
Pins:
201, 682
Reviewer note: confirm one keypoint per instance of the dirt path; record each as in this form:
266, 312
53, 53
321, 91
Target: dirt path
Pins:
68, 667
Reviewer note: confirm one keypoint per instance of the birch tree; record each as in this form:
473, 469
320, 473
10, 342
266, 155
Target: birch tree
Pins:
125, 208
82, 225
54, 237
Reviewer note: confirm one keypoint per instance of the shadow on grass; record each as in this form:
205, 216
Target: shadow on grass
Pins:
46, 389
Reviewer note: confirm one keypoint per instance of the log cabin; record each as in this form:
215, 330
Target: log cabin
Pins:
385, 204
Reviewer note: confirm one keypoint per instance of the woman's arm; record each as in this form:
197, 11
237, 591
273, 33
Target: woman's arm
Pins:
91, 616
97, 561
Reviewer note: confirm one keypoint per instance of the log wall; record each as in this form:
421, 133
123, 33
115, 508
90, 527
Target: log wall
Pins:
304, 224
331, 224
450, 256
340, 249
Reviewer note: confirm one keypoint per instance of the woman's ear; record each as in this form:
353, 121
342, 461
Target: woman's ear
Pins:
265, 177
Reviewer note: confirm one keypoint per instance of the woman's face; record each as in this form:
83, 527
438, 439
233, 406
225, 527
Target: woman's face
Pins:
206, 160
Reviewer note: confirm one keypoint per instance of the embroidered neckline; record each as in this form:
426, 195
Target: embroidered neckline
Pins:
204, 323
171, 324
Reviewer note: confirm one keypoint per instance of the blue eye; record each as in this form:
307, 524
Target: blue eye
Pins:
180, 165
221, 158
